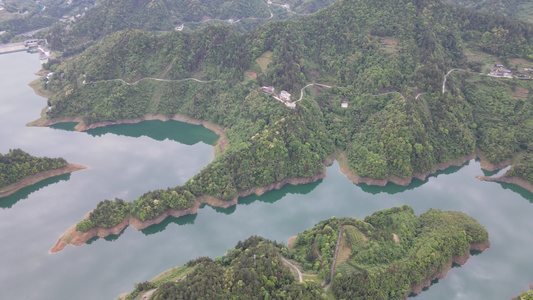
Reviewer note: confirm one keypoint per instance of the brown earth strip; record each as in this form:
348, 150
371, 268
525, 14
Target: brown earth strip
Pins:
78, 238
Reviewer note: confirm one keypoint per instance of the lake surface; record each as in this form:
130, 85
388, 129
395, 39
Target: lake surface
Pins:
127, 160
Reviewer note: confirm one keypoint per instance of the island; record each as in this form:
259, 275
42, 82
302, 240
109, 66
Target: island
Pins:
388, 255
19, 169
392, 100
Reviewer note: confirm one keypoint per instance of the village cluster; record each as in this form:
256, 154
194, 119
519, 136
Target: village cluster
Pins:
503, 71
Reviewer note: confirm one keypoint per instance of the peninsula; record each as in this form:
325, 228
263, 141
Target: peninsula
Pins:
18, 169
388, 255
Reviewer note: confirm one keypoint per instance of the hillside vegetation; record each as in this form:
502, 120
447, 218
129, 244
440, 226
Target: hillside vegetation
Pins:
17, 164
378, 267
387, 59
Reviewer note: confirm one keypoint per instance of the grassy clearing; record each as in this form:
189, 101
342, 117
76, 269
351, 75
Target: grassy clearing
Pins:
391, 44
344, 251
354, 236
264, 60
311, 277
171, 275
520, 63
37, 86
520, 93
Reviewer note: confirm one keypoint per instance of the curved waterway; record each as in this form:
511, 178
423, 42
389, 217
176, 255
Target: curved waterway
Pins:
127, 160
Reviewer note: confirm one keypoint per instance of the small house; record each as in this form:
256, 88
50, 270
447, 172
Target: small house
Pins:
31, 43
499, 66
285, 96
344, 103
268, 89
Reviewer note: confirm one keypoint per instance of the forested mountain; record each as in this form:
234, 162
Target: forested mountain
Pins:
382, 257
160, 15
516, 9
387, 59
20, 16
17, 164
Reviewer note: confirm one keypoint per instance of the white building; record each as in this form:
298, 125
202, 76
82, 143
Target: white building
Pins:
290, 104
285, 96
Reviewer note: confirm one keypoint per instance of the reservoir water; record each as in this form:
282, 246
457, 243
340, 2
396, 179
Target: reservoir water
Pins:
127, 160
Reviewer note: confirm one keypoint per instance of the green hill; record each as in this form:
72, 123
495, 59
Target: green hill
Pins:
17, 164
386, 60
516, 9
389, 253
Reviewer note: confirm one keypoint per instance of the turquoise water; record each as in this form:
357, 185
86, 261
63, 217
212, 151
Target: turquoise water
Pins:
127, 160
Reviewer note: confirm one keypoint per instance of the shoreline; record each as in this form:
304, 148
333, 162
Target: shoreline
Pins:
343, 162
37, 177
528, 186
78, 238
458, 259
219, 146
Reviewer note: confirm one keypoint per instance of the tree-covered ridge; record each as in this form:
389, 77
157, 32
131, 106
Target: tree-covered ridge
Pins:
516, 9
254, 269
160, 15
389, 252
21, 16
387, 59
17, 164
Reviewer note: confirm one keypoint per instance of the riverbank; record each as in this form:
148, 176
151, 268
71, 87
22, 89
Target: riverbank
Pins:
34, 178
458, 259
220, 145
485, 165
512, 180
345, 169
78, 238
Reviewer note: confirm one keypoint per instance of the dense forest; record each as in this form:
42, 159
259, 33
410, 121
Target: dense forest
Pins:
21, 16
390, 250
17, 164
516, 9
383, 59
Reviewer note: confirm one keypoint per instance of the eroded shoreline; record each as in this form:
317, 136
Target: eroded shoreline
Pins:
76, 238
458, 259
512, 180
37, 177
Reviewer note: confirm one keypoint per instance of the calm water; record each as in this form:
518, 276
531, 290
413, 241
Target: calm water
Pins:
127, 160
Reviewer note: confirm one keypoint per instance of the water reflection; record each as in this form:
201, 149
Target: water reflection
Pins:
226, 211
519, 190
9, 201
184, 220
114, 237
275, 195
391, 188
180, 132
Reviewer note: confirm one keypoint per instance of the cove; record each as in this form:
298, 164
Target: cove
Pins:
128, 164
